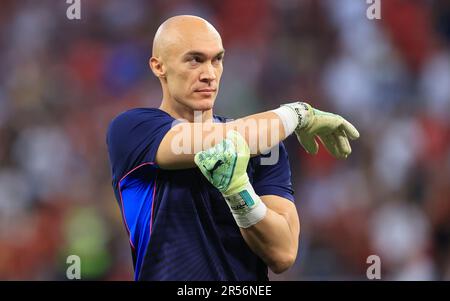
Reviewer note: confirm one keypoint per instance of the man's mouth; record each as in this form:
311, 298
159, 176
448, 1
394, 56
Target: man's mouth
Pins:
205, 90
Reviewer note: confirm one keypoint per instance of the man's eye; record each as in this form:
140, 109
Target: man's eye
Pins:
194, 60
218, 60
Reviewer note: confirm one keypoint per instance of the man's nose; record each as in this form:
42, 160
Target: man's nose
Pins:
208, 74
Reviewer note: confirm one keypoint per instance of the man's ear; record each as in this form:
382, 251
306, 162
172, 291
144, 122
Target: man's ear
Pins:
157, 67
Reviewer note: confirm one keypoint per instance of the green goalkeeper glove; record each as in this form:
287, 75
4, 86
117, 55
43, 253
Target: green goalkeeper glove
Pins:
225, 167
331, 129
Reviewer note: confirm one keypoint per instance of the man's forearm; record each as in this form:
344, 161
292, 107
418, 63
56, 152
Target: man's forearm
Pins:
261, 131
275, 238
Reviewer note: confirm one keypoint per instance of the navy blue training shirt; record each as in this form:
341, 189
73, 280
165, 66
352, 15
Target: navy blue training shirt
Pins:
179, 225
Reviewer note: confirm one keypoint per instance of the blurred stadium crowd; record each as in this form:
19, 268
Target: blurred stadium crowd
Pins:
62, 82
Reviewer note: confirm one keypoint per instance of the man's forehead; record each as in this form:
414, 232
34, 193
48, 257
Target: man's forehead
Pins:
199, 45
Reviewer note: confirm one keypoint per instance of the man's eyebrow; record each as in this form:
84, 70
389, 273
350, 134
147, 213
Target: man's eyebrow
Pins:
202, 54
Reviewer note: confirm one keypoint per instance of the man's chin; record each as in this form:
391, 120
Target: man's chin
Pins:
204, 104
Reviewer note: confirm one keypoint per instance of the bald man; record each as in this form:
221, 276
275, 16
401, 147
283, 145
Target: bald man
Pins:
190, 215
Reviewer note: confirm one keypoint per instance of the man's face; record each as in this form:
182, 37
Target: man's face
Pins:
194, 68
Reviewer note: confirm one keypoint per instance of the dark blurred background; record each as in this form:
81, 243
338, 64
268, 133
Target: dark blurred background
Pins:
62, 81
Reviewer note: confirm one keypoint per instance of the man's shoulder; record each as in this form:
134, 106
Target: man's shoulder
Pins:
138, 113
136, 116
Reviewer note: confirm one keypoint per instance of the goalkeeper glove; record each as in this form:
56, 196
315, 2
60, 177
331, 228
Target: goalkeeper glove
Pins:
331, 129
225, 167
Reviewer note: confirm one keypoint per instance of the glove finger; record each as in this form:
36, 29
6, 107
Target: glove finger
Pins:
309, 143
239, 143
350, 130
342, 143
242, 153
339, 152
347, 141
330, 144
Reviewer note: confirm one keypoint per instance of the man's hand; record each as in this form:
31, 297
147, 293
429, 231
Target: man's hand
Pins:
332, 130
225, 164
225, 167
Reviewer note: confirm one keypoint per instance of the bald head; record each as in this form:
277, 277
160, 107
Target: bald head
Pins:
184, 31
187, 59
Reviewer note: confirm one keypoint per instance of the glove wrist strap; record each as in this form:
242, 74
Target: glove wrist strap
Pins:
302, 111
246, 207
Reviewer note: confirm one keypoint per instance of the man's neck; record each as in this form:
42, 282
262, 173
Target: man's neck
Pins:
187, 113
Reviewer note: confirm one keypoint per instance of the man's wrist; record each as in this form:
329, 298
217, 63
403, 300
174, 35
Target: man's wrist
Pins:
246, 206
303, 111
294, 116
